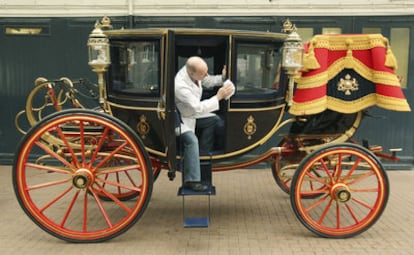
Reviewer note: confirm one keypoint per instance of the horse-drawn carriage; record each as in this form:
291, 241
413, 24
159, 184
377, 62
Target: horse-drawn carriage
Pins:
86, 174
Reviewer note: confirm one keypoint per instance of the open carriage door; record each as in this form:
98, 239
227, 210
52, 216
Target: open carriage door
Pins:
168, 100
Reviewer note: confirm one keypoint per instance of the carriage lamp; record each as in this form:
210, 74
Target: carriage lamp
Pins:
99, 57
292, 56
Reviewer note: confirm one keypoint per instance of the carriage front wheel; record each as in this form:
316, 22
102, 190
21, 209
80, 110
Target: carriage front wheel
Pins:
339, 191
72, 171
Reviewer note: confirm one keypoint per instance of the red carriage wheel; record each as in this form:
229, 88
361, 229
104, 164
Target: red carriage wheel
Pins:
351, 194
67, 161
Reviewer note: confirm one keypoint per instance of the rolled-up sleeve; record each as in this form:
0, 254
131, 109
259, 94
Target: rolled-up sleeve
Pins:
212, 81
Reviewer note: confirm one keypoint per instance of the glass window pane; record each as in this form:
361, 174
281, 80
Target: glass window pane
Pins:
331, 30
135, 67
371, 30
400, 43
306, 33
257, 67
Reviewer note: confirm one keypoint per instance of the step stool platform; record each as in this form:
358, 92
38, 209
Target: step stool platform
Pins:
196, 222
189, 192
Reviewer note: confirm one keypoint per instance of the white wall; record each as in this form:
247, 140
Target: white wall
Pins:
50, 8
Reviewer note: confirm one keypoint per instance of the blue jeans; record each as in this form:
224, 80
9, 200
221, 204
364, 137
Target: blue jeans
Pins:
191, 160
209, 131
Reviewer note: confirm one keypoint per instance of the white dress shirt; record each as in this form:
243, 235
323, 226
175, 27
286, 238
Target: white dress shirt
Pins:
188, 95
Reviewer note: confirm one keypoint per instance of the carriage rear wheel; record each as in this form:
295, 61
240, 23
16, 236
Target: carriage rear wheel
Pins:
61, 185
350, 186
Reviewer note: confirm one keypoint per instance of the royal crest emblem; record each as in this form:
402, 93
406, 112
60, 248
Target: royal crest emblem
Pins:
143, 127
250, 127
348, 85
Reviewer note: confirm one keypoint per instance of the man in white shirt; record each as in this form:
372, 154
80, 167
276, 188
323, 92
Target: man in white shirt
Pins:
188, 91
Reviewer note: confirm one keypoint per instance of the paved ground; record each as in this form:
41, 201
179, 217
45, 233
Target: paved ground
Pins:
250, 215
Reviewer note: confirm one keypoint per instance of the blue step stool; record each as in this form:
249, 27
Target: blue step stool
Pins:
198, 222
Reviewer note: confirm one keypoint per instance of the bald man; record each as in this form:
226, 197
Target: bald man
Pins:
188, 91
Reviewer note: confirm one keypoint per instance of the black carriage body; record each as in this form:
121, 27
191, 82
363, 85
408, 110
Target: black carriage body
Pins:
140, 83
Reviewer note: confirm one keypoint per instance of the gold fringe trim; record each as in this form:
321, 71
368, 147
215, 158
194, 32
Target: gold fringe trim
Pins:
341, 42
392, 103
320, 105
308, 108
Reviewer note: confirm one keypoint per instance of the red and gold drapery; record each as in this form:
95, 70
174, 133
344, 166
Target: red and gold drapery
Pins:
348, 73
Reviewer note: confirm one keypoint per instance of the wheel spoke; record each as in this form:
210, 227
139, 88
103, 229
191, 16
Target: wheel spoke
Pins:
82, 141
66, 142
85, 213
66, 215
317, 179
326, 169
316, 203
338, 216
101, 208
325, 212
338, 168
48, 184
351, 212
118, 184
376, 190
360, 178
130, 179
48, 168
363, 204
99, 146
352, 170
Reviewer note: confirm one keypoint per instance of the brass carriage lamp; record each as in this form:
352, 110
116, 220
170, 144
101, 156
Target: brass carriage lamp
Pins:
292, 56
99, 57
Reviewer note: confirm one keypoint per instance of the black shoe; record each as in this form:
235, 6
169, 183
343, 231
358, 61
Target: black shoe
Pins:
196, 186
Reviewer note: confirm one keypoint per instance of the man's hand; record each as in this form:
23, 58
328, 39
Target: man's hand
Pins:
224, 73
225, 91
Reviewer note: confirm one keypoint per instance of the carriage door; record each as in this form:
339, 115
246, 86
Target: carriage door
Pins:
257, 106
167, 100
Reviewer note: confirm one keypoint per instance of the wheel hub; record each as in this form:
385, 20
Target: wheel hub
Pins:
341, 193
82, 179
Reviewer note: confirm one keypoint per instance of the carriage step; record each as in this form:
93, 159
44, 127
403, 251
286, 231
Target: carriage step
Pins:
394, 151
198, 222
189, 192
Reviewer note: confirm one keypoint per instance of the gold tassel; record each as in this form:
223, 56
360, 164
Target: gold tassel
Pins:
390, 60
309, 60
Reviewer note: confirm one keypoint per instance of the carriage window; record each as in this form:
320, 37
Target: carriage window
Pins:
135, 67
400, 43
306, 33
257, 68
